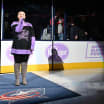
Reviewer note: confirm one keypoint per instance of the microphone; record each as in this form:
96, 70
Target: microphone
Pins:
21, 21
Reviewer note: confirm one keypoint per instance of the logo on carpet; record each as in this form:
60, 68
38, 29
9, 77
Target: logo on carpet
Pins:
23, 94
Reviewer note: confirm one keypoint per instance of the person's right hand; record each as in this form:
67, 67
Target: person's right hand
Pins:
76, 37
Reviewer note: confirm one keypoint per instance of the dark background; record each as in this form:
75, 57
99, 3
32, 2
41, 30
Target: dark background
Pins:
39, 11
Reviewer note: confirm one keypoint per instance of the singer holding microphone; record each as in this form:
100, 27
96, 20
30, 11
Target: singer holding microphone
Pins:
23, 46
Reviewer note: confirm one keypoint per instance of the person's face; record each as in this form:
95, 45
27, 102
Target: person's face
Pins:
21, 14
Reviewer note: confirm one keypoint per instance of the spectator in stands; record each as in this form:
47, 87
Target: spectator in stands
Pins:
74, 29
60, 28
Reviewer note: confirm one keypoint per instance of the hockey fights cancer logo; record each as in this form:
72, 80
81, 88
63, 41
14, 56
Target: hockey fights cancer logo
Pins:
21, 94
62, 50
9, 55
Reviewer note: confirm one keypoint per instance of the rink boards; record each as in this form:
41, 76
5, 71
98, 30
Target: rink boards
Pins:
73, 55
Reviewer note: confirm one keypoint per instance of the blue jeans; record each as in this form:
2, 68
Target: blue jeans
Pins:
60, 36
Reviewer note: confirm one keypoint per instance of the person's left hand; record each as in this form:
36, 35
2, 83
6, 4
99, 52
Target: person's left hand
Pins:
31, 51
